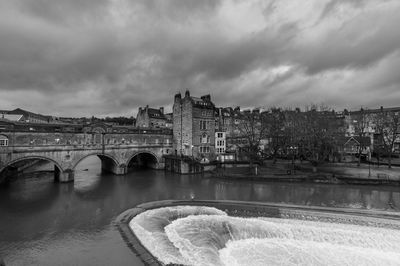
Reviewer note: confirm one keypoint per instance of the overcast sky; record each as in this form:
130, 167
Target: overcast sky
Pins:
99, 57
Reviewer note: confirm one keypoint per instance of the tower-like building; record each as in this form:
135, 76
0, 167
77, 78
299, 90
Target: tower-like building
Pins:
194, 126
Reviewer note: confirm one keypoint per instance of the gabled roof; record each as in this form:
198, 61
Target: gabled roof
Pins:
366, 141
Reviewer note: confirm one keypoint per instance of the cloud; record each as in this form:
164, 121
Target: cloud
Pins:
102, 57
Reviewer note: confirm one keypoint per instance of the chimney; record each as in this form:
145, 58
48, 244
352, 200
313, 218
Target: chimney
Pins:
178, 96
206, 97
162, 110
187, 93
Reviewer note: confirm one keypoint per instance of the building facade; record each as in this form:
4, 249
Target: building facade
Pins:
194, 126
20, 115
381, 125
151, 118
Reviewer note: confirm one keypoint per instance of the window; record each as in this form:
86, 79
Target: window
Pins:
205, 138
203, 125
220, 150
3, 142
220, 135
220, 142
204, 149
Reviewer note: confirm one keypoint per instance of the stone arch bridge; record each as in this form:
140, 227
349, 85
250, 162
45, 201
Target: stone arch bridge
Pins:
117, 147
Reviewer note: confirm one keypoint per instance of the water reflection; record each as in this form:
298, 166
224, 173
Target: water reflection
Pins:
44, 223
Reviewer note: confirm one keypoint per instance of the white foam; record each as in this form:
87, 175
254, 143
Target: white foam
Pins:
193, 235
199, 238
149, 228
275, 251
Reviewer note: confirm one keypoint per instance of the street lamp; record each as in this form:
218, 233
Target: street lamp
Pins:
369, 162
293, 164
291, 148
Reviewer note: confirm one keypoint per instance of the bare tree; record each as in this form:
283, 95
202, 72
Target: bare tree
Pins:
273, 123
321, 130
360, 122
251, 129
387, 124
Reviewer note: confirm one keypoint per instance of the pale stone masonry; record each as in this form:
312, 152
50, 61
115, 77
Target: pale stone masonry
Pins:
194, 126
151, 118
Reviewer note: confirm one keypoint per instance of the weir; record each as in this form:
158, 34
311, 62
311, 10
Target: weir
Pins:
229, 233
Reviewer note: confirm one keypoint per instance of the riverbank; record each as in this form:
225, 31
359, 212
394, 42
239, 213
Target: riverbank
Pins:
332, 173
381, 219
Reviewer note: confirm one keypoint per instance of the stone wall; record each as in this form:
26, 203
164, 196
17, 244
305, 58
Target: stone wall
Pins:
203, 114
66, 150
187, 132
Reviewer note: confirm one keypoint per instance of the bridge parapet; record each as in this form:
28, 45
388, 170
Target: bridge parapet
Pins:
66, 149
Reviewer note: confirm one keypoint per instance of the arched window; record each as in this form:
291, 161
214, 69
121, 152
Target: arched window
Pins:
3, 140
205, 138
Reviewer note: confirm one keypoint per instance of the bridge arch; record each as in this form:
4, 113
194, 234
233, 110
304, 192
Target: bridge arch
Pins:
7, 171
31, 157
109, 163
143, 159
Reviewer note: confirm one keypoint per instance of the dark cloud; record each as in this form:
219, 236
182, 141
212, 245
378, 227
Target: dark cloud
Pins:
100, 57
359, 43
65, 12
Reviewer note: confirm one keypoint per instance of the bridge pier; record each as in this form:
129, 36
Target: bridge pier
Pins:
156, 166
120, 170
63, 176
110, 166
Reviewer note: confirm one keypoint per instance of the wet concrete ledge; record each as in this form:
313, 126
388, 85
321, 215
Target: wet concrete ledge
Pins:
310, 178
383, 219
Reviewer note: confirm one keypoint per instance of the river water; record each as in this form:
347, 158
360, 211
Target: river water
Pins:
45, 223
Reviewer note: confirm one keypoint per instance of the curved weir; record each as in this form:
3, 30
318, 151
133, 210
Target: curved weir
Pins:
244, 233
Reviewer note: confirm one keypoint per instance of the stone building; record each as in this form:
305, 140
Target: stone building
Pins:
169, 121
194, 126
21, 115
228, 120
370, 122
151, 118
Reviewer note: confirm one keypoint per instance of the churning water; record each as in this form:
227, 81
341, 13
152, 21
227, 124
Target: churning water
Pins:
193, 235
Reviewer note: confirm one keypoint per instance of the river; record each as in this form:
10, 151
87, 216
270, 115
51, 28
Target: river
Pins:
45, 223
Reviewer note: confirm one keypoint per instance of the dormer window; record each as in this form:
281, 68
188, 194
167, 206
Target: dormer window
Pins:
3, 140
